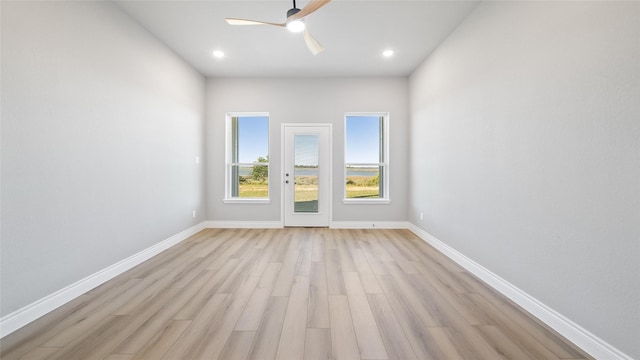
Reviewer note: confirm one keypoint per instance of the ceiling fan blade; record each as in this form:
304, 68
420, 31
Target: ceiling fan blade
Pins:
313, 44
312, 6
233, 21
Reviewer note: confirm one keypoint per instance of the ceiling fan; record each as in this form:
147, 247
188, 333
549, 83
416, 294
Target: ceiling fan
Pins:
294, 22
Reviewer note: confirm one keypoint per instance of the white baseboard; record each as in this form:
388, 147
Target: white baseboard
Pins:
581, 337
333, 224
33, 311
243, 224
369, 225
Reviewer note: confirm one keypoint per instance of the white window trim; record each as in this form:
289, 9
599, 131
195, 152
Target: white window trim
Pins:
228, 199
385, 176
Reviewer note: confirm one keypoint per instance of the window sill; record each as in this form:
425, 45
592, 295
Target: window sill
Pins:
246, 201
366, 201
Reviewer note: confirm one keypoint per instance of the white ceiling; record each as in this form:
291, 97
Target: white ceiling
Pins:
354, 34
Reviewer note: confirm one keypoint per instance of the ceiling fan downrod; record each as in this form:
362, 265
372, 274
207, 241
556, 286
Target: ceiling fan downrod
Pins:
293, 10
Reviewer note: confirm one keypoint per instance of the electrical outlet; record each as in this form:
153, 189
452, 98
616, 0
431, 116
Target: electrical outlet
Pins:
197, 159
193, 214
421, 216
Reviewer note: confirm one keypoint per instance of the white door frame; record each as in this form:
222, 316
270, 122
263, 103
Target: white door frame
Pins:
329, 126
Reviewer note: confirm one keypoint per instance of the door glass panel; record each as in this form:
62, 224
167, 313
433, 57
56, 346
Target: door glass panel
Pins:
306, 173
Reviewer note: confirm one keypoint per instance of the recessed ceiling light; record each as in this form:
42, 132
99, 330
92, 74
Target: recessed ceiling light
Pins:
387, 53
218, 54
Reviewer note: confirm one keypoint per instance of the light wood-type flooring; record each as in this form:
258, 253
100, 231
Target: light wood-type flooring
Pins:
291, 294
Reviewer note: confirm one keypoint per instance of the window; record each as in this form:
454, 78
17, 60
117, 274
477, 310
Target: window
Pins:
366, 153
247, 170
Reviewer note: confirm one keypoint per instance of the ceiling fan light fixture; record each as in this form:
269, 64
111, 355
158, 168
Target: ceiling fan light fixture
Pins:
295, 26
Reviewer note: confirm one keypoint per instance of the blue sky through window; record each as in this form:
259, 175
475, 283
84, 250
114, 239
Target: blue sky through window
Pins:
362, 145
363, 139
253, 138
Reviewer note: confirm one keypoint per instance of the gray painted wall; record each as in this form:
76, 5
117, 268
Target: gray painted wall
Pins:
310, 100
525, 144
100, 127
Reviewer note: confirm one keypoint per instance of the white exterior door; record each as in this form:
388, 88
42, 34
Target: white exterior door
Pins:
306, 174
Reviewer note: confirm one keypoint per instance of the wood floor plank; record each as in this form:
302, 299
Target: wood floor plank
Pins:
397, 345
267, 339
159, 345
252, 314
105, 338
468, 340
343, 337
239, 345
82, 347
318, 239
213, 243
557, 344
318, 345
191, 270
378, 250
221, 259
283, 238
344, 256
294, 328
367, 276
213, 281
421, 341
428, 281
318, 310
369, 339
284, 282
335, 281
156, 281
305, 249
119, 357
294, 294
268, 252
446, 343
33, 335
394, 237
241, 271
156, 325
88, 320
376, 264
266, 238
397, 256
187, 344
499, 341
216, 337
39, 353
400, 284
532, 344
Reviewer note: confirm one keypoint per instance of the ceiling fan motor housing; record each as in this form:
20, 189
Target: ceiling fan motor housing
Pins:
292, 12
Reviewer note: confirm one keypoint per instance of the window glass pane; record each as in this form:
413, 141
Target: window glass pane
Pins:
363, 182
248, 145
252, 139
363, 139
306, 173
250, 181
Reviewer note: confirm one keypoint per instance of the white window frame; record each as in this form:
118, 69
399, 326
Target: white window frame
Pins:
229, 198
385, 199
